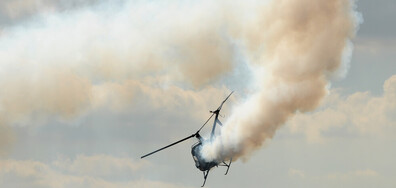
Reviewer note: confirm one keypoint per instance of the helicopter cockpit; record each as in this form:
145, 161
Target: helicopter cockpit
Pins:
195, 153
200, 162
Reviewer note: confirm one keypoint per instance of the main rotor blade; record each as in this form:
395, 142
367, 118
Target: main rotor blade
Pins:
205, 123
213, 113
168, 146
225, 101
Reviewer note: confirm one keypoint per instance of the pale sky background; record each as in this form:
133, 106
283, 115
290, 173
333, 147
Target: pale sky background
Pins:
347, 142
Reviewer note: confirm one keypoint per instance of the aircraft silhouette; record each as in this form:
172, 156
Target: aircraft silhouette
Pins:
200, 162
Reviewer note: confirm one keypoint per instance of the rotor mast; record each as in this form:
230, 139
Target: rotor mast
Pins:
216, 120
214, 123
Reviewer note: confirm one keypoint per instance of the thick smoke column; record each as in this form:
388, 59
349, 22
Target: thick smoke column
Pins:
65, 64
305, 43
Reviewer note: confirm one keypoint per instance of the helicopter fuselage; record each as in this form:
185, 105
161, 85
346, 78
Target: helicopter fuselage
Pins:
196, 152
200, 162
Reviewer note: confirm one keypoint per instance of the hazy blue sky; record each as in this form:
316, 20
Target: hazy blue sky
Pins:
52, 137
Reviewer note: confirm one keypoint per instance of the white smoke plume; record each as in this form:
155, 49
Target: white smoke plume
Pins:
66, 63
304, 44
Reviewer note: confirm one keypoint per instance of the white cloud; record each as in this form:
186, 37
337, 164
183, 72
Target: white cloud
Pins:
15, 10
84, 171
296, 173
354, 174
99, 165
375, 46
366, 172
360, 113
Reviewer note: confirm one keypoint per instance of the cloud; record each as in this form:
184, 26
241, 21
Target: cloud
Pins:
20, 8
296, 173
6, 138
375, 46
99, 165
360, 113
83, 171
368, 173
14, 11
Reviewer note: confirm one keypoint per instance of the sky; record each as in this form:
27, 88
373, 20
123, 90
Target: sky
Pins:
90, 86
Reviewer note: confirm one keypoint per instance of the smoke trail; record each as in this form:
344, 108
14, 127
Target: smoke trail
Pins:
304, 44
66, 64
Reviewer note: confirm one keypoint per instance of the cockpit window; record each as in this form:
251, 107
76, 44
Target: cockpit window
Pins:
196, 161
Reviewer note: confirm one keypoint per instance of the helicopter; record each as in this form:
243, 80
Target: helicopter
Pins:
200, 162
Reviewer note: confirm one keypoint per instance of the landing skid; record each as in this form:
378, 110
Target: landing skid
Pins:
205, 176
227, 165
